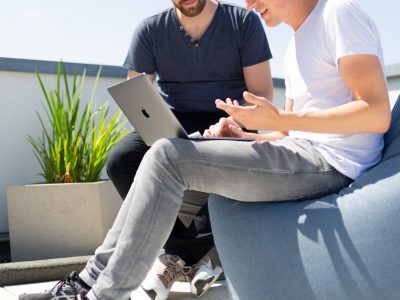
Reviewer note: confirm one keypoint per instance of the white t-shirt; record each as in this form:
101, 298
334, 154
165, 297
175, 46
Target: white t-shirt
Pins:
335, 28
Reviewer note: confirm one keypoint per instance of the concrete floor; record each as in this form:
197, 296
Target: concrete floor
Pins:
180, 290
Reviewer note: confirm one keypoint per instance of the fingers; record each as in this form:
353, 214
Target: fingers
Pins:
228, 121
236, 131
225, 127
253, 99
232, 109
229, 105
213, 130
207, 132
223, 106
220, 128
226, 104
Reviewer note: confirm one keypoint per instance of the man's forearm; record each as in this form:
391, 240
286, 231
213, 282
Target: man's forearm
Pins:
270, 136
354, 117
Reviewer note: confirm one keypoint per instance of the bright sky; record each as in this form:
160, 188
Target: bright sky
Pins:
99, 31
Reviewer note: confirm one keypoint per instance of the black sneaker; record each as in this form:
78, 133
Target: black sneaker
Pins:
69, 288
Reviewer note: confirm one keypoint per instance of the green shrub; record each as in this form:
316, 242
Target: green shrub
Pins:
76, 146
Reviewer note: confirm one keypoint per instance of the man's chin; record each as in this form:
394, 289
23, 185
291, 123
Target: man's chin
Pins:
271, 23
192, 11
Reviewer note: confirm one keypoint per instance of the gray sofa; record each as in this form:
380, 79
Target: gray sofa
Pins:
342, 246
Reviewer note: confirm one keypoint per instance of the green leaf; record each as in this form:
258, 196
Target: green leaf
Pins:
76, 138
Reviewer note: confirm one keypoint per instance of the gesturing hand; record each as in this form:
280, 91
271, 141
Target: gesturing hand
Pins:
261, 115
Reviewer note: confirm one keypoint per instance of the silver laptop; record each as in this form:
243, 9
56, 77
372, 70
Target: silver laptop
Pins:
148, 113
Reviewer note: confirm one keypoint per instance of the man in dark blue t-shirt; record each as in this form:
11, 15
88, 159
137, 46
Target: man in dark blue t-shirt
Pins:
198, 51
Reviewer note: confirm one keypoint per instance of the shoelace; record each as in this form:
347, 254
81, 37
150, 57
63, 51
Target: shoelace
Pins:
187, 272
171, 271
69, 280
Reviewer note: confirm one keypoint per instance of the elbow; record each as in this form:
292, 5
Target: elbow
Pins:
386, 125
380, 117
382, 124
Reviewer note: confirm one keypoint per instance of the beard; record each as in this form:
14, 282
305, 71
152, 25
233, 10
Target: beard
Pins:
193, 11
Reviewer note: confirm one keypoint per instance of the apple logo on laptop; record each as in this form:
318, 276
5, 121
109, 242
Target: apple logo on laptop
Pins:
145, 113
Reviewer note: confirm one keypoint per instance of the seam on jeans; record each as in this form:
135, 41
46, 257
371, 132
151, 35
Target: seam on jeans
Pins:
313, 195
171, 174
150, 226
281, 171
140, 250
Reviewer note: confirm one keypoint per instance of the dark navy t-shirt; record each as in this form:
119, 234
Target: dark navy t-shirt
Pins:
192, 74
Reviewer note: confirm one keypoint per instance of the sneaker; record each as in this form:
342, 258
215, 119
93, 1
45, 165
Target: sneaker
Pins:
69, 288
165, 271
203, 275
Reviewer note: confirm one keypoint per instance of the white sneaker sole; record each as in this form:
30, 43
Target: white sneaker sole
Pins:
200, 286
141, 294
153, 290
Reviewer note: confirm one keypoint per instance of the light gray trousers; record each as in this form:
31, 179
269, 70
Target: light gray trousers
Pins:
284, 170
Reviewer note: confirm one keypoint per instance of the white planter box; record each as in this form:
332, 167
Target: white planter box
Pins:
60, 220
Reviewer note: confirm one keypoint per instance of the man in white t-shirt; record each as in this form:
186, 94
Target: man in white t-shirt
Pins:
336, 96
329, 133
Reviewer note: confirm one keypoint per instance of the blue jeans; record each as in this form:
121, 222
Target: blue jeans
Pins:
245, 171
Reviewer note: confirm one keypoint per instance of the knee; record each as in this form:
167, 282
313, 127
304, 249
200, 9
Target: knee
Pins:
172, 154
164, 151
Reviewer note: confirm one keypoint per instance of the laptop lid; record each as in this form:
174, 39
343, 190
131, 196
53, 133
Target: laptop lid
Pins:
146, 110
149, 114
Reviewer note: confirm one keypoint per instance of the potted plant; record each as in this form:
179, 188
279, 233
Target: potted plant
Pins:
72, 211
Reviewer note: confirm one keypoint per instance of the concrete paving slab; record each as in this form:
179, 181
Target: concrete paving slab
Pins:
5, 295
179, 291
16, 290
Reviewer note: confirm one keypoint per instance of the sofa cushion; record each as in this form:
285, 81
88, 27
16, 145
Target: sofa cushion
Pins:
341, 246
392, 137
